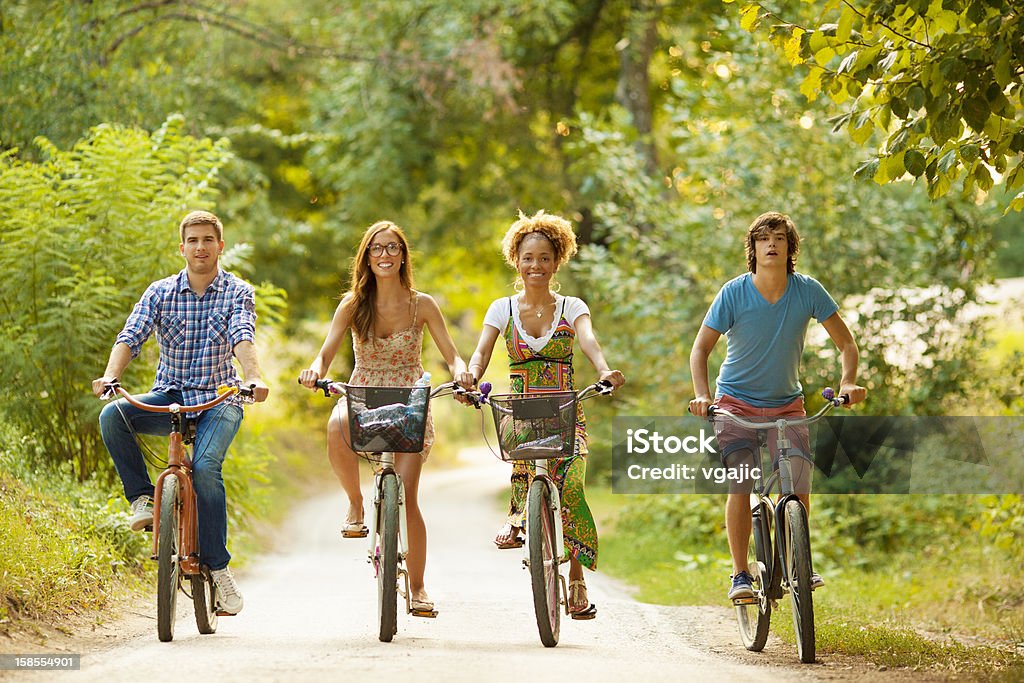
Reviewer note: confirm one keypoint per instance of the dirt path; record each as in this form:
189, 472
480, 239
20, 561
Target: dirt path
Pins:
310, 613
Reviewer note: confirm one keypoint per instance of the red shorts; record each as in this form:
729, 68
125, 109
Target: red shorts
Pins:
732, 437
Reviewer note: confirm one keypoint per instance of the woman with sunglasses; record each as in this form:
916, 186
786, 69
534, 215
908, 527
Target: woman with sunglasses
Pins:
387, 317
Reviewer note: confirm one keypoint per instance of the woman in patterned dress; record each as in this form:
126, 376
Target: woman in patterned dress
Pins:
539, 328
387, 317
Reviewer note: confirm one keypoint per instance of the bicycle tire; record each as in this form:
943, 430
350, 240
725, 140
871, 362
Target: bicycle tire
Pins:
387, 558
798, 564
544, 560
167, 559
755, 619
204, 598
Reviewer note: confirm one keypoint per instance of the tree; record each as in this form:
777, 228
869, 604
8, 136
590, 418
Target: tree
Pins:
84, 233
935, 84
740, 139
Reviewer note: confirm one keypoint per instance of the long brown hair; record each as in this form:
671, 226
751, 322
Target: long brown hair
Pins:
364, 285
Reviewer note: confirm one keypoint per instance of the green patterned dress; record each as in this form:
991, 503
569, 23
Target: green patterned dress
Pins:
550, 369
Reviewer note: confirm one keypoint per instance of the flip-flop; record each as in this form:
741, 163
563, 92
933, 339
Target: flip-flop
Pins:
422, 608
518, 541
355, 530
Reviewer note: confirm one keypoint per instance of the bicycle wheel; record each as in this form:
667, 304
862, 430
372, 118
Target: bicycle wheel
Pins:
204, 593
544, 557
755, 617
167, 559
387, 558
798, 565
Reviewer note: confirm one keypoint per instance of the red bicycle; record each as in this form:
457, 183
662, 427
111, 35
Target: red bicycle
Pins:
176, 520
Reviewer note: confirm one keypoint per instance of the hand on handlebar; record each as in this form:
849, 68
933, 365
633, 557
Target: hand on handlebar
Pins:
853, 392
467, 382
101, 386
616, 378
308, 378
260, 391
699, 405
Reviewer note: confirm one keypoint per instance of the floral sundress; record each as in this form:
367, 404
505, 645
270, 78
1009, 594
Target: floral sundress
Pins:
393, 361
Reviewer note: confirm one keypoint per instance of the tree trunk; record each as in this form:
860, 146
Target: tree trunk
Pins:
633, 92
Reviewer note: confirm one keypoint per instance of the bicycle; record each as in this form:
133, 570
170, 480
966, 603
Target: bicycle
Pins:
384, 421
540, 427
176, 521
788, 514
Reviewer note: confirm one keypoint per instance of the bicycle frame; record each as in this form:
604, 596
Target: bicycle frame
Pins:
178, 464
782, 476
387, 466
543, 547
384, 466
789, 552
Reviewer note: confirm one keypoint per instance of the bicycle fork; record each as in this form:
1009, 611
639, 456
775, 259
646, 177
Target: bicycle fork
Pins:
188, 557
373, 552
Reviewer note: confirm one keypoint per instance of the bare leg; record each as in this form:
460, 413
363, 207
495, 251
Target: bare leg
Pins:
737, 527
409, 466
738, 522
344, 462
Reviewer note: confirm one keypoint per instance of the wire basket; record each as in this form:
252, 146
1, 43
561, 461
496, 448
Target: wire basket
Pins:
535, 426
387, 419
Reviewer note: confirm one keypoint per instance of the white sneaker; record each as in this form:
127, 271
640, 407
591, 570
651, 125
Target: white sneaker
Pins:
142, 513
229, 598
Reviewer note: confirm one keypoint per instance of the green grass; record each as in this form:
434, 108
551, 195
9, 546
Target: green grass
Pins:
62, 551
945, 607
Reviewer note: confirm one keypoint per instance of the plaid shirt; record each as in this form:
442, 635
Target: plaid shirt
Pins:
197, 334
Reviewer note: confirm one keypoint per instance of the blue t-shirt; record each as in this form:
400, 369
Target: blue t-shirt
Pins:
765, 341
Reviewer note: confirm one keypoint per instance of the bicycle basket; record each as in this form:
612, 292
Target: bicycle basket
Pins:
534, 426
387, 418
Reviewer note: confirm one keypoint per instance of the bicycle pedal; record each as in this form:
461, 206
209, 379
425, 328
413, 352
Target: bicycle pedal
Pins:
420, 613
745, 601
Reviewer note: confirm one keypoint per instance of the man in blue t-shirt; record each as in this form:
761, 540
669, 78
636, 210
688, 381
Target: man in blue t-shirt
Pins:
764, 315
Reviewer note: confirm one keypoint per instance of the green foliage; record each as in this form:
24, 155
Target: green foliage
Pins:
938, 85
66, 543
86, 230
1001, 523
665, 245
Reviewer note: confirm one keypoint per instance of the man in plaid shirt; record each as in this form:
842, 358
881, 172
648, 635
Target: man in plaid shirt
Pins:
202, 316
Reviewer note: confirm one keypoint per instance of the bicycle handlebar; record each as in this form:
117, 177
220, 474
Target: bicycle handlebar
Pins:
224, 393
331, 387
601, 387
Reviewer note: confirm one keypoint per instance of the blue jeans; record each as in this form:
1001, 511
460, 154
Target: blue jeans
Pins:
215, 429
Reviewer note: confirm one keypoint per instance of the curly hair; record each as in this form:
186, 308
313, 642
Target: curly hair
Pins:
556, 229
765, 224
364, 284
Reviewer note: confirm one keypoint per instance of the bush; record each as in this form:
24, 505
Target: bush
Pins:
85, 231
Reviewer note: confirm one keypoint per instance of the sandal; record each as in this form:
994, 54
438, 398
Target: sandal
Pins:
513, 536
354, 530
422, 608
578, 605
